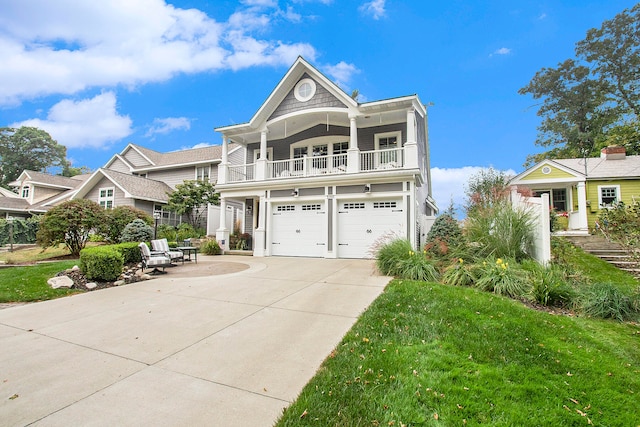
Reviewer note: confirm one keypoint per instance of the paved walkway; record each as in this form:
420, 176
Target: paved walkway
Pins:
232, 349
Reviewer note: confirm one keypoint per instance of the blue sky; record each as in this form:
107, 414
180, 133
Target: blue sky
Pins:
99, 75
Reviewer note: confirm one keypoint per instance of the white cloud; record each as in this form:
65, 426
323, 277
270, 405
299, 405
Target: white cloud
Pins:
375, 8
449, 184
341, 73
89, 123
168, 124
502, 51
68, 46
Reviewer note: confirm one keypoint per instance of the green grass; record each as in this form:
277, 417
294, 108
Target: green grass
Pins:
29, 283
431, 354
31, 255
600, 271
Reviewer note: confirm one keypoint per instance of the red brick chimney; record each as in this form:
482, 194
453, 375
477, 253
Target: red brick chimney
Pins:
613, 152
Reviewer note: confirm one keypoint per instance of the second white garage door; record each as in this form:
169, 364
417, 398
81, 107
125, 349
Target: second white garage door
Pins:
362, 223
299, 229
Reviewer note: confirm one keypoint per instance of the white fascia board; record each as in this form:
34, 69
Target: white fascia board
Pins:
548, 181
121, 158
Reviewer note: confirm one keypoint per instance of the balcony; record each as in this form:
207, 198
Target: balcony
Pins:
335, 164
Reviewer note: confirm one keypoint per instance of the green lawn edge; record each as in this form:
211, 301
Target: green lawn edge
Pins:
29, 283
432, 354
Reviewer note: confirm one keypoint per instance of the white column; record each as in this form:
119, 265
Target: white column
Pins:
261, 163
222, 234
410, 146
583, 224
259, 232
223, 168
353, 153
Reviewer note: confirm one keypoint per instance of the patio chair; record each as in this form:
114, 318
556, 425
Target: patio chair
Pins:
161, 246
155, 261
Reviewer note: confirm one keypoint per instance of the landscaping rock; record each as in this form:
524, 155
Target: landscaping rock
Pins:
60, 282
119, 283
91, 285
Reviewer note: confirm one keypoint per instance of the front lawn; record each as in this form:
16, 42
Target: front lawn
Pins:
432, 354
29, 283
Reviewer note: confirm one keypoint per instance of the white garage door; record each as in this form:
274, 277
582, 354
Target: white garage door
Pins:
362, 223
299, 229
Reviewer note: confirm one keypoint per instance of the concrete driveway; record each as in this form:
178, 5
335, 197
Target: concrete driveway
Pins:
184, 349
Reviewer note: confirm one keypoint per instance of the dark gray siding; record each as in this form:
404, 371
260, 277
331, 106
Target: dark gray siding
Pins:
322, 98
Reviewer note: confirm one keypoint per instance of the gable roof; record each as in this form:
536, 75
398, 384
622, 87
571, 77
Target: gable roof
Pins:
42, 179
192, 156
133, 186
596, 168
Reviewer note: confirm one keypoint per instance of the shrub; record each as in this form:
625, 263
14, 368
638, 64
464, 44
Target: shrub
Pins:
137, 231
117, 219
417, 267
390, 255
459, 274
500, 278
130, 252
21, 230
210, 247
70, 223
607, 301
166, 231
102, 263
501, 231
550, 286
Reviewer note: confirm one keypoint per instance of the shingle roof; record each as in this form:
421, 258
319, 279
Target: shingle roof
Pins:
598, 167
138, 187
11, 203
193, 155
55, 180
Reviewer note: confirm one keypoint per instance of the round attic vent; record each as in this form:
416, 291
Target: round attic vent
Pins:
546, 170
304, 90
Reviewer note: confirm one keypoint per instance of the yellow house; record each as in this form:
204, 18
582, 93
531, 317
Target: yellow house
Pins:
581, 188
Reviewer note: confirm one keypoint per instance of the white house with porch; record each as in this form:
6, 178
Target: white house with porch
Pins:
325, 175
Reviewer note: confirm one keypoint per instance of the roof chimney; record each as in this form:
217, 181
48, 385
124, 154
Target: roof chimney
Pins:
613, 152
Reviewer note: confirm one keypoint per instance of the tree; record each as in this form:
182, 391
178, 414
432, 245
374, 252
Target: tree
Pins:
116, 219
70, 223
27, 148
613, 51
485, 189
191, 198
586, 98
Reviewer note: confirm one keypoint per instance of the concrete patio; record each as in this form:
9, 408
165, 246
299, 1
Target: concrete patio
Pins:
192, 347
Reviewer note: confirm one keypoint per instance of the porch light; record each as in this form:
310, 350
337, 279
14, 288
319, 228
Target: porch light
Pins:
367, 188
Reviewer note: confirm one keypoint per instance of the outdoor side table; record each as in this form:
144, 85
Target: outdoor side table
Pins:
188, 250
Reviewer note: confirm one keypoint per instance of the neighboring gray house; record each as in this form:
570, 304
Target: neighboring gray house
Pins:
37, 192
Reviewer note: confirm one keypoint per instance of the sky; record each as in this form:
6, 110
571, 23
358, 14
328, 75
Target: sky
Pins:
163, 74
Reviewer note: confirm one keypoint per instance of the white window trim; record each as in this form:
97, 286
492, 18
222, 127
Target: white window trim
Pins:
379, 136
618, 195
106, 199
208, 173
324, 140
28, 188
256, 154
310, 95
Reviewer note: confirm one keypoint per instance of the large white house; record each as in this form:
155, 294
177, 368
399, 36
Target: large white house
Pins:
314, 173
325, 175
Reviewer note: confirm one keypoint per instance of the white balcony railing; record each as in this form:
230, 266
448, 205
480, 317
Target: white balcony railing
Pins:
308, 166
381, 159
334, 164
241, 173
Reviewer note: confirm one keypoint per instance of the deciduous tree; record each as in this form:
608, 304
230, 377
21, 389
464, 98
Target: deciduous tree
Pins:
191, 198
70, 223
28, 148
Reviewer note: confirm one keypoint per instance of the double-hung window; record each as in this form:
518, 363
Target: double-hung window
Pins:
106, 197
25, 192
608, 195
202, 173
388, 141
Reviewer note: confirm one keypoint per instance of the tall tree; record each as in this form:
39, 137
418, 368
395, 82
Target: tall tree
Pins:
613, 52
584, 99
191, 198
27, 148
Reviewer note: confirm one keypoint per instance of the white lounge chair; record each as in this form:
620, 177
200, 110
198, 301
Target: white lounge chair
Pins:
153, 261
161, 246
